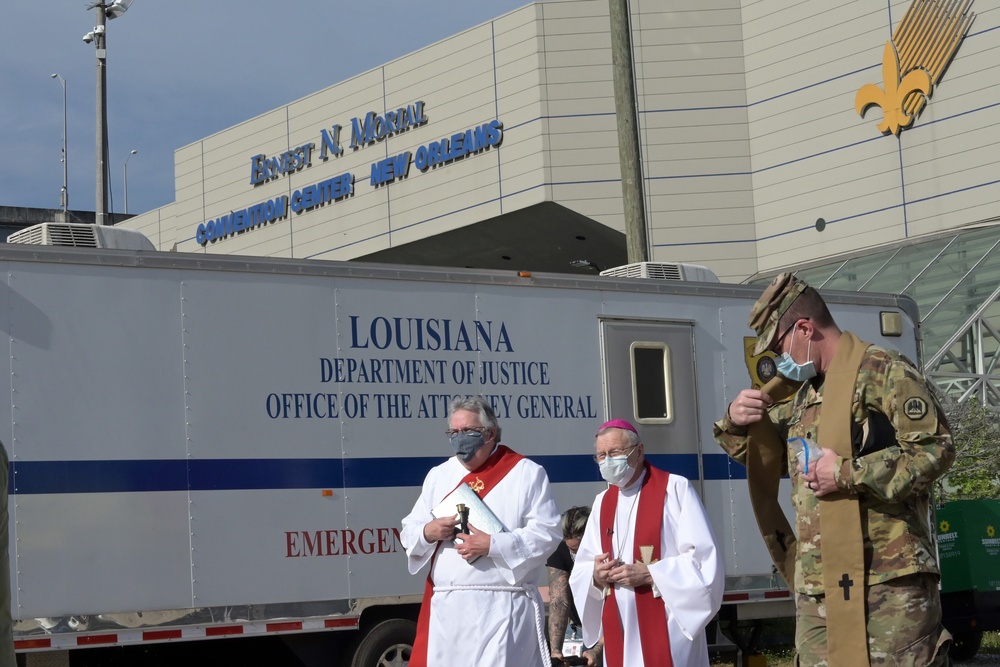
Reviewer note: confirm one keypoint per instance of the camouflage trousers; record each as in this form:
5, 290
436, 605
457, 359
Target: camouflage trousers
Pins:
904, 625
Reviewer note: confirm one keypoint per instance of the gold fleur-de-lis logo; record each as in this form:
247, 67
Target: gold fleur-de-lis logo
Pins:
914, 60
894, 116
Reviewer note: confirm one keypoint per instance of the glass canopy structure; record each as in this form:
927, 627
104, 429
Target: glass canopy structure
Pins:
955, 280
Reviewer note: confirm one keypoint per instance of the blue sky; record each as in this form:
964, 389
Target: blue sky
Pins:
178, 71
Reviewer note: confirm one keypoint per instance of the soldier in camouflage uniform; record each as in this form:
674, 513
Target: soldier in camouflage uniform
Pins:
900, 443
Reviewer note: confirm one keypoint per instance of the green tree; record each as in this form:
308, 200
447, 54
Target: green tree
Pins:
975, 429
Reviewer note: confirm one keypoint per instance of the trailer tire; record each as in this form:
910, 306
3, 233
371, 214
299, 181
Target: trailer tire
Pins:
965, 645
387, 645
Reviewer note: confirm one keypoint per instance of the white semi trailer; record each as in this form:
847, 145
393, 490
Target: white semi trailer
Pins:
209, 447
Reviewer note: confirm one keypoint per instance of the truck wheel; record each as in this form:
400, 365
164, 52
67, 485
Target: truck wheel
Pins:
387, 645
965, 645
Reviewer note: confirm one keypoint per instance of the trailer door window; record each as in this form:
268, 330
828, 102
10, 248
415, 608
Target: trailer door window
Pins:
651, 383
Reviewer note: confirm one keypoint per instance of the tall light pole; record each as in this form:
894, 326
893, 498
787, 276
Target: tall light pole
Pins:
125, 176
97, 36
64, 194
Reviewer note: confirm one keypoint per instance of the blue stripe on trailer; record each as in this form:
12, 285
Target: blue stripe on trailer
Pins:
720, 466
137, 476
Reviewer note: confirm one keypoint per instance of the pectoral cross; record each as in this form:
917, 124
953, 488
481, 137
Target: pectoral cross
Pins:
646, 553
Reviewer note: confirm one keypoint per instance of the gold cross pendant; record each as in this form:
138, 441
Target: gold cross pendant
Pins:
646, 553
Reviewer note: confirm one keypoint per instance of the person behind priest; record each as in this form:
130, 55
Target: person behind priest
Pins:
648, 573
895, 443
481, 602
562, 611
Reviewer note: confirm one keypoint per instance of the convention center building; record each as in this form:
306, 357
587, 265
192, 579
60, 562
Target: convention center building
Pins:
854, 141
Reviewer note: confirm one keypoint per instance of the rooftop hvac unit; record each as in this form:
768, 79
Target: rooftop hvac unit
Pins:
664, 271
79, 235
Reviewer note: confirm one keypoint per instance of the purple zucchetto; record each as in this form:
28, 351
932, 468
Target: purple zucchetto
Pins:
618, 423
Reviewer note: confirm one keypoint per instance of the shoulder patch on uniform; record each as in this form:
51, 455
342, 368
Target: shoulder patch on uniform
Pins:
915, 407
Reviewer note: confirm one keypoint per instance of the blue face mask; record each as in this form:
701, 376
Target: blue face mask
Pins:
466, 444
793, 371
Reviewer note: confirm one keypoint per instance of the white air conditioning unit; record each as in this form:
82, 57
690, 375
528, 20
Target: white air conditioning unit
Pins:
664, 271
79, 235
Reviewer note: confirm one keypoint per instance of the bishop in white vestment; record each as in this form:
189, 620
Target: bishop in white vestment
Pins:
656, 598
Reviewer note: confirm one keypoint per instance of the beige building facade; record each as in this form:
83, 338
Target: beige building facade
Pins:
498, 147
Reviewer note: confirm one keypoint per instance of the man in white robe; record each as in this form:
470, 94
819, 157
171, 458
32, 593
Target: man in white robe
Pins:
657, 598
486, 612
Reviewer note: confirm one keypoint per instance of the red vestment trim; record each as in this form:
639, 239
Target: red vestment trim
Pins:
501, 462
650, 611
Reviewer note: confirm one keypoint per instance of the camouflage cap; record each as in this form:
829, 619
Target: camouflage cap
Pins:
772, 304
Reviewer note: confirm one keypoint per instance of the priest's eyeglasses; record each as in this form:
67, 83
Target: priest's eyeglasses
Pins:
614, 452
470, 430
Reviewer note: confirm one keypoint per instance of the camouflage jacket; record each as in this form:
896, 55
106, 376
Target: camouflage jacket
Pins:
901, 444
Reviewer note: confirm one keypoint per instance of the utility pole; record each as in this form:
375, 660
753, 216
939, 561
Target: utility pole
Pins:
628, 133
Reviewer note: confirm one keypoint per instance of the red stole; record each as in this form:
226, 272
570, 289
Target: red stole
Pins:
482, 482
651, 612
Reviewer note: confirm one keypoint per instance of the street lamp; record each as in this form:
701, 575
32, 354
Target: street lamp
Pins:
104, 11
125, 176
64, 195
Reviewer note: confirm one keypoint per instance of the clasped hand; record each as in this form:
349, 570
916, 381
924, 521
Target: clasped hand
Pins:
608, 571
